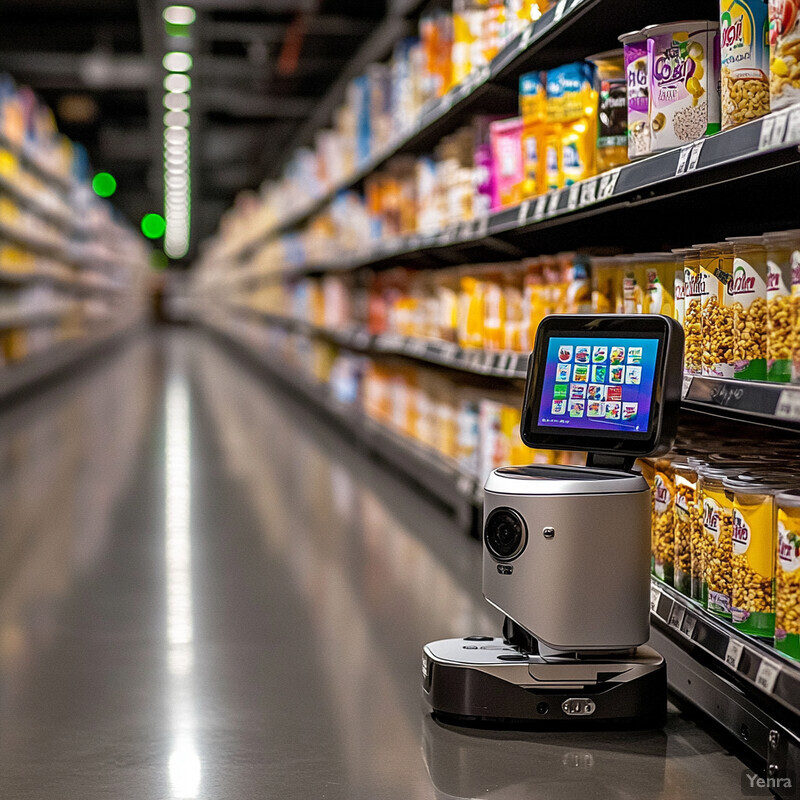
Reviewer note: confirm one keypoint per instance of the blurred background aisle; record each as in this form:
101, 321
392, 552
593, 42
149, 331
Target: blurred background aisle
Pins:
208, 593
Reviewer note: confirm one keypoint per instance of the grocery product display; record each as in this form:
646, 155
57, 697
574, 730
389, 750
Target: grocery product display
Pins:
71, 271
412, 290
484, 333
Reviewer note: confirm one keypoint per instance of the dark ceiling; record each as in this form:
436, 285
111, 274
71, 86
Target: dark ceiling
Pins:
266, 73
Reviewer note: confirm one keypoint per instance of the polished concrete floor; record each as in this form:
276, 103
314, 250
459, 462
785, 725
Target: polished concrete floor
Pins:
206, 593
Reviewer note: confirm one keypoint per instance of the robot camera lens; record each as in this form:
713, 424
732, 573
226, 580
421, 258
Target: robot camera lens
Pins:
505, 534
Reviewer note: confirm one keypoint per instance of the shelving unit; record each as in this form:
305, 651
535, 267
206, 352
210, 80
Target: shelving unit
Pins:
735, 182
67, 290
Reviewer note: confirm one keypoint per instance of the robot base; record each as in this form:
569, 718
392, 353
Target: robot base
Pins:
485, 681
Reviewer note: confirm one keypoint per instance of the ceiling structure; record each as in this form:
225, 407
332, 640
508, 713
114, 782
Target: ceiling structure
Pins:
266, 74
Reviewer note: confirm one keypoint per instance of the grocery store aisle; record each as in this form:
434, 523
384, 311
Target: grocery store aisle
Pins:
206, 593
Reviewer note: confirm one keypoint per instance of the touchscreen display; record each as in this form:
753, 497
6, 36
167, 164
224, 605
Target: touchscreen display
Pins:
598, 383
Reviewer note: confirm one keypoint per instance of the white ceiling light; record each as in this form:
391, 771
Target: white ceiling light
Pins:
177, 62
179, 15
177, 118
176, 135
176, 102
177, 82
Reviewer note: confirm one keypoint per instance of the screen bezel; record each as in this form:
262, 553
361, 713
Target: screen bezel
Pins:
608, 326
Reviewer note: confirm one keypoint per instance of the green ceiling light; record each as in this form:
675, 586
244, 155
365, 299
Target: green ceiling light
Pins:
104, 184
177, 61
153, 226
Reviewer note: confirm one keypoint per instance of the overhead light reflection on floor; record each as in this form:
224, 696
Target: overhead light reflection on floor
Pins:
184, 761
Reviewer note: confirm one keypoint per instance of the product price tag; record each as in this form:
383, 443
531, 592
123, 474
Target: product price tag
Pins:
481, 226
552, 203
488, 362
503, 362
694, 156
689, 624
655, 596
527, 36
561, 9
779, 128
573, 196
793, 126
588, 192
733, 655
540, 209
608, 183
676, 615
788, 405
767, 675
522, 212
687, 385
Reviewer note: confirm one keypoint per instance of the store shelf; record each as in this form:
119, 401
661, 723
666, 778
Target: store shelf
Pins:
753, 665
570, 29
63, 219
432, 472
36, 244
33, 161
19, 377
759, 146
27, 319
775, 404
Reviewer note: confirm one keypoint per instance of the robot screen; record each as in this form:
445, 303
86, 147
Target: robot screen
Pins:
605, 384
599, 383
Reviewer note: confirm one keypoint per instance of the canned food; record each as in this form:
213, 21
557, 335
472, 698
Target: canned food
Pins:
634, 286
744, 81
747, 296
693, 317
612, 110
752, 555
687, 523
717, 531
683, 78
679, 285
784, 65
717, 318
787, 574
663, 530
659, 271
635, 58
783, 258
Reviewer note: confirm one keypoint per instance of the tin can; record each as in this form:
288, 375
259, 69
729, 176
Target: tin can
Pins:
783, 258
744, 66
787, 574
687, 522
753, 555
747, 296
683, 74
635, 57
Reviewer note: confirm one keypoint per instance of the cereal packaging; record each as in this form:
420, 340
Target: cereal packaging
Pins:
612, 111
638, 93
784, 42
752, 559
747, 298
533, 107
663, 502
687, 523
683, 81
744, 67
787, 575
717, 518
717, 318
783, 258
694, 292
572, 107
506, 136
